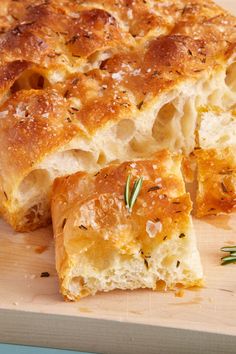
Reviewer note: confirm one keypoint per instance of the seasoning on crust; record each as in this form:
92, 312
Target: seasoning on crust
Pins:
129, 77
101, 246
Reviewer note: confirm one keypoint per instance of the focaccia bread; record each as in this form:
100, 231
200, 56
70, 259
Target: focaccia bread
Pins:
216, 181
83, 84
101, 245
216, 162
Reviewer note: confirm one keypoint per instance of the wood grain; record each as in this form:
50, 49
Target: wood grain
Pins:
33, 312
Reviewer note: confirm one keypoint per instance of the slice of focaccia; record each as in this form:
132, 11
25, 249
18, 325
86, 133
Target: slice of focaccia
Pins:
216, 181
83, 84
216, 161
101, 245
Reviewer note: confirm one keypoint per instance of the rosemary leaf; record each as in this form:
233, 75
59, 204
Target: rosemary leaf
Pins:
224, 189
127, 191
154, 188
44, 275
228, 249
135, 192
228, 259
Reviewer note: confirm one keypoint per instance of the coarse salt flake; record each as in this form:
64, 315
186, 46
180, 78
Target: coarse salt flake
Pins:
130, 14
136, 72
153, 228
158, 180
117, 76
133, 165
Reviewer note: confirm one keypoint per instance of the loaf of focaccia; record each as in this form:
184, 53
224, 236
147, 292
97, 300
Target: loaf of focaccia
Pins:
87, 83
101, 245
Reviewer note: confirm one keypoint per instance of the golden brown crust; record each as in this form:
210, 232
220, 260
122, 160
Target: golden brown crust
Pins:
47, 32
112, 179
217, 180
36, 123
124, 53
10, 72
11, 12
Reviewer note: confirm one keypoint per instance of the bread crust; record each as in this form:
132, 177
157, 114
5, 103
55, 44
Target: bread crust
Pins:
216, 179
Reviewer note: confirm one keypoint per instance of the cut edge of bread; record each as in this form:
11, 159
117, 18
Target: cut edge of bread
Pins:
171, 123
181, 269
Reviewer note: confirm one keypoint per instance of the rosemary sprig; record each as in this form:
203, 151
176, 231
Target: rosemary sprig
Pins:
231, 258
130, 201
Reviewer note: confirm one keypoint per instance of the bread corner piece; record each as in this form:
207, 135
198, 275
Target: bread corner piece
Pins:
216, 162
101, 246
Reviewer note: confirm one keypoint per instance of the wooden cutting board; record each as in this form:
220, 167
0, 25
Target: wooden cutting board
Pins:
33, 312
23, 257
